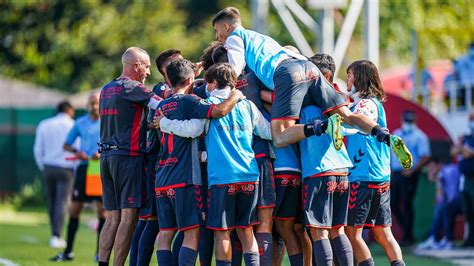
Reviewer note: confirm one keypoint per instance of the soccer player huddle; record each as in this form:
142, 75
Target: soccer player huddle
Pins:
247, 162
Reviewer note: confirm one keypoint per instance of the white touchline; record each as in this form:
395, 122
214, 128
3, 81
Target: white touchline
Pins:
6, 262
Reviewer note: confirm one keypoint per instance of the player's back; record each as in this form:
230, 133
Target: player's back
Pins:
178, 163
229, 146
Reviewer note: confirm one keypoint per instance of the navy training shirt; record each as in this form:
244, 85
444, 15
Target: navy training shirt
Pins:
178, 162
153, 141
122, 108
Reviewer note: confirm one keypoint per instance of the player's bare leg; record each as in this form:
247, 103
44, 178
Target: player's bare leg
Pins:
384, 236
286, 229
306, 245
223, 246
321, 246
249, 245
123, 238
107, 235
361, 250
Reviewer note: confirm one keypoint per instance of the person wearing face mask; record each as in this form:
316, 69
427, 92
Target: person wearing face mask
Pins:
465, 149
404, 182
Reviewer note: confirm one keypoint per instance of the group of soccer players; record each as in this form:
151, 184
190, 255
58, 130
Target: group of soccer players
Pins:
220, 175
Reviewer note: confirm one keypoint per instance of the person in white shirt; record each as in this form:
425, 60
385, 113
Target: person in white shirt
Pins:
56, 166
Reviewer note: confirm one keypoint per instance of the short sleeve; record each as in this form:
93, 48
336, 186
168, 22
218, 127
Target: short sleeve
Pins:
197, 107
368, 108
72, 135
137, 93
424, 146
327, 97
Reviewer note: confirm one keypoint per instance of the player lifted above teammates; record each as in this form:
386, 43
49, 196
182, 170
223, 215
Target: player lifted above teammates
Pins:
296, 82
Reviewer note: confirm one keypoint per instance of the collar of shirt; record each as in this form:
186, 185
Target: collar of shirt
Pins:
221, 93
355, 99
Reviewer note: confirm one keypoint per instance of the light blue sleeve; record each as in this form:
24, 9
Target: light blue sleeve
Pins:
424, 146
72, 135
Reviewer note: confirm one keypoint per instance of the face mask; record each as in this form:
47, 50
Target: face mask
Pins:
352, 92
407, 127
471, 126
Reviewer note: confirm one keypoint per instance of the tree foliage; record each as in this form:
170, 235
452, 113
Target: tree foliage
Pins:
75, 45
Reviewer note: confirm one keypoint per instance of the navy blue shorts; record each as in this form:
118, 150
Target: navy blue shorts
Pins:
369, 204
232, 205
299, 83
266, 192
178, 208
122, 181
325, 201
79, 190
148, 208
288, 196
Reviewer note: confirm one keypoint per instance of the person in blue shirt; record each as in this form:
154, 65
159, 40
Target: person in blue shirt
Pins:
177, 171
404, 183
296, 83
86, 128
325, 184
465, 150
232, 169
369, 201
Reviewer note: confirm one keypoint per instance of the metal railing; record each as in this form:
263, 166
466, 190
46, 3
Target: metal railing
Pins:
456, 97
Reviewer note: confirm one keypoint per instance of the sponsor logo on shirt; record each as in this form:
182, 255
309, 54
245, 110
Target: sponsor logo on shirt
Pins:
236, 127
167, 162
111, 111
107, 93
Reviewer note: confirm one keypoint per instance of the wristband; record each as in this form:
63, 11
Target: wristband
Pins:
308, 130
375, 130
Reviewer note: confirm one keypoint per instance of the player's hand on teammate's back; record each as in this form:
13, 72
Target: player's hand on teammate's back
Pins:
156, 120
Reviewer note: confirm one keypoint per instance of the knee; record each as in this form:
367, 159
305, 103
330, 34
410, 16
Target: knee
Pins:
317, 233
192, 233
382, 237
284, 228
221, 236
166, 236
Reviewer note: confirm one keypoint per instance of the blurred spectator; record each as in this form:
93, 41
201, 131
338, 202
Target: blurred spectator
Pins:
57, 169
448, 205
465, 149
426, 83
450, 82
404, 182
464, 69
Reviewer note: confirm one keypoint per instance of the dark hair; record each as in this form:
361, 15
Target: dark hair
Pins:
179, 71
223, 73
325, 63
228, 14
63, 107
162, 59
367, 80
214, 53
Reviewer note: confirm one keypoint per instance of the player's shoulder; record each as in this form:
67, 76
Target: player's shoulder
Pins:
82, 119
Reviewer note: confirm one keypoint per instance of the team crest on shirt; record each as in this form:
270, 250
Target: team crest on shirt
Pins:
205, 102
